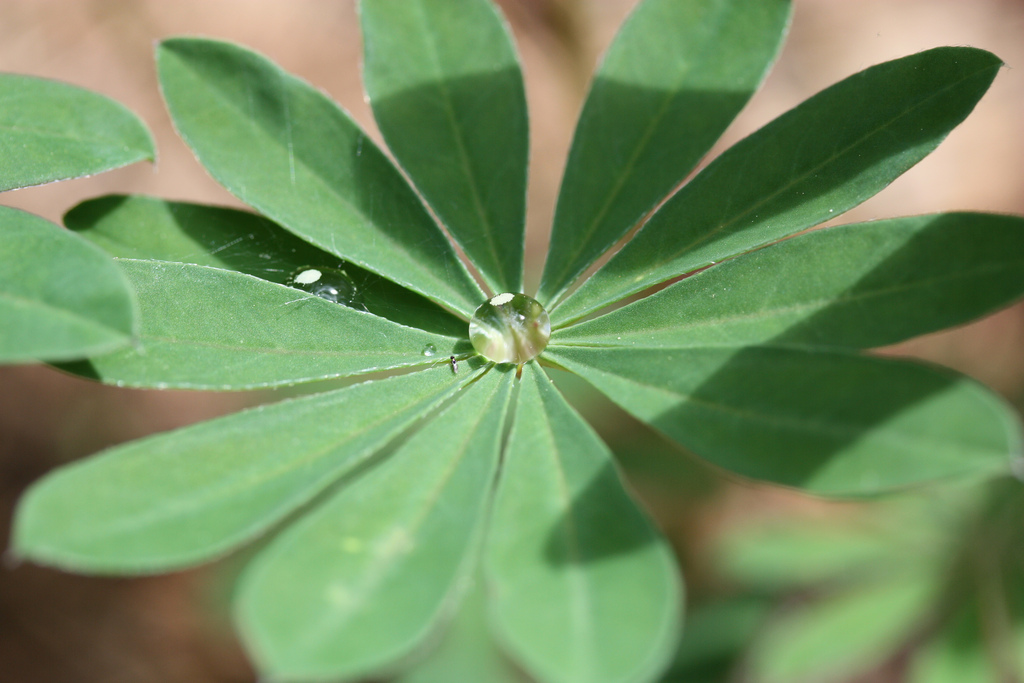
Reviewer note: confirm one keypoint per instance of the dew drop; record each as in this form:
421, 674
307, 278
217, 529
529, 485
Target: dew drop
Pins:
510, 328
332, 284
429, 350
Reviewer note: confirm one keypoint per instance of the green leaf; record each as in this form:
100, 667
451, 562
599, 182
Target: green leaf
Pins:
149, 228
811, 164
367, 576
53, 131
284, 148
672, 81
716, 637
467, 651
843, 635
60, 297
831, 422
183, 497
583, 587
447, 94
206, 328
142, 227
977, 645
856, 286
798, 553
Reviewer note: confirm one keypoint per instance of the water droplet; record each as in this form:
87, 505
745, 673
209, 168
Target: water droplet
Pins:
332, 284
429, 350
510, 328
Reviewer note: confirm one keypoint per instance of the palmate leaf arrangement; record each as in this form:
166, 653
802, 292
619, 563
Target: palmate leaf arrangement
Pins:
403, 513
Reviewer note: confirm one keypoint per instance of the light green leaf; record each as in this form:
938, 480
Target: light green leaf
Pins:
284, 148
60, 297
467, 651
366, 577
583, 587
811, 164
447, 93
672, 81
53, 131
798, 553
831, 422
977, 645
841, 636
857, 286
206, 328
187, 496
142, 227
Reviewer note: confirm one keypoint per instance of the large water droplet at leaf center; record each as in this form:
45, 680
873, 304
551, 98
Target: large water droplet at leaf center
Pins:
510, 328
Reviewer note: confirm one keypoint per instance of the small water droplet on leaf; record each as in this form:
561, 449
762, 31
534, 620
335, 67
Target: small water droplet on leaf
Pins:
332, 284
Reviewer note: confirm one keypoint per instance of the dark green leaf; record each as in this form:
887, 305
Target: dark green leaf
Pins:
833, 423
857, 286
715, 639
363, 580
187, 496
979, 644
54, 131
584, 588
142, 227
60, 297
284, 148
811, 164
206, 328
447, 93
671, 82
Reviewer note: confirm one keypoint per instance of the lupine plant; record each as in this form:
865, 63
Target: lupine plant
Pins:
60, 296
452, 517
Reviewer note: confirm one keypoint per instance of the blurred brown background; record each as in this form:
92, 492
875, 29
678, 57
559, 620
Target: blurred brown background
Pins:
56, 627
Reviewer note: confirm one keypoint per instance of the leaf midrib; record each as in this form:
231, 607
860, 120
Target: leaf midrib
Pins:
266, 134
138, 521
811, 305
838, 429
64, 315
661, 261
383, 565
654, 122
460, 145
580, 610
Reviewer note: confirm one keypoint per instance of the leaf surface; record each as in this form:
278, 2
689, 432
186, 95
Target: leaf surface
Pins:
284, 148
467, 651
583, 587
855, 286
674, 78
364, 578
447, 93
971, 648
54, 131
830, 422
141, 227
186, 496
811, 164
60, 297
207, 328
846, 634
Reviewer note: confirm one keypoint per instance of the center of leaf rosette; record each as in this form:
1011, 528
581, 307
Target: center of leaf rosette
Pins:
510, 328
